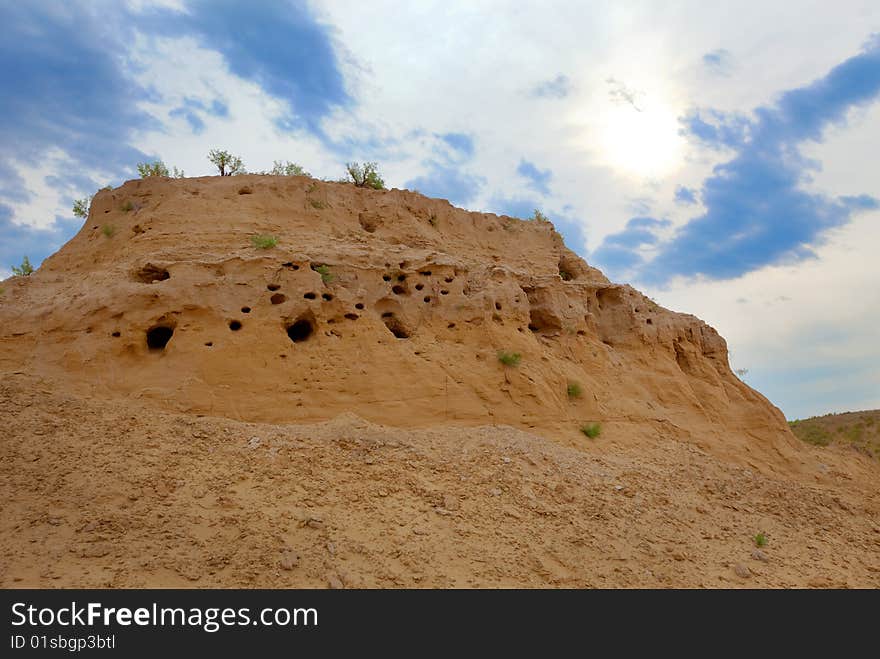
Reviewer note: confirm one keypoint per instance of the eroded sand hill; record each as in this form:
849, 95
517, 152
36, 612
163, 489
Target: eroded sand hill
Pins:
183, 407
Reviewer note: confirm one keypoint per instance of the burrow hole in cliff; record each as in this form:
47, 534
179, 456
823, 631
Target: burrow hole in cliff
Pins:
419, 287
158, 337
278, 298
542, 320
399, 289
326, 297
273, 287
235, 325
395, 326
245, 309
301, 329
309, 296
150, 273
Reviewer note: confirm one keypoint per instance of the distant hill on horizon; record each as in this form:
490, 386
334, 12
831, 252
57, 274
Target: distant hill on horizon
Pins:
860, 430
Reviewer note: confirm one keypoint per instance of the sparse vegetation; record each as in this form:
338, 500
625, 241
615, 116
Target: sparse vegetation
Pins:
566, 275
538, 216
226, 163
81, 207
366, 176
157, 168
859, 430
23, 270
760, 540
324, 271
318, 204
810, 433
591, 430
287, 168
574, 390
147, 169
108, 230
741, 373
261, 241
127, 206
509, 358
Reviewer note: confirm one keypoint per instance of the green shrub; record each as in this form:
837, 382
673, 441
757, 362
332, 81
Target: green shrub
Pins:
566, 276
226, 163
317, 203
760, 540
157, 168
81, 207
324, 271
366, 176
538, 216
127, 206
25, 269
574, 390
264, 241
509, 358
591, 430
108, 230
287, 168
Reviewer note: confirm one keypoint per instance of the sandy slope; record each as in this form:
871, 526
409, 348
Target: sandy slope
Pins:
106, 493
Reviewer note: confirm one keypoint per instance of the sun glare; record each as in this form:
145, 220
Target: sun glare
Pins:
641, 142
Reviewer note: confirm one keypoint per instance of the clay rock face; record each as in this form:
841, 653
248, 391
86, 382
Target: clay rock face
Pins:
385, 304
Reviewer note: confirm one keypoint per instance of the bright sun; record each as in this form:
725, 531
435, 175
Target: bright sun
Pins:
641, 142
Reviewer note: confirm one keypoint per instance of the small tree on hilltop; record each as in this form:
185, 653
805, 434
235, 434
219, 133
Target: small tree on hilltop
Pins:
23, 270
366, 176
226, 163
81, 207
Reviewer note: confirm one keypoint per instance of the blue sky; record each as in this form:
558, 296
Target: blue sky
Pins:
722, 163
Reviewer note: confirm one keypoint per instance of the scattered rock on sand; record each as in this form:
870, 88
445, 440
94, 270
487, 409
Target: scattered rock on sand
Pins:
450, 502
289, 560
758, 555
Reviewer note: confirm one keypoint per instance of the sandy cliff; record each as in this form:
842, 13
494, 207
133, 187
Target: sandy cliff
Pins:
403, 329
183, 408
